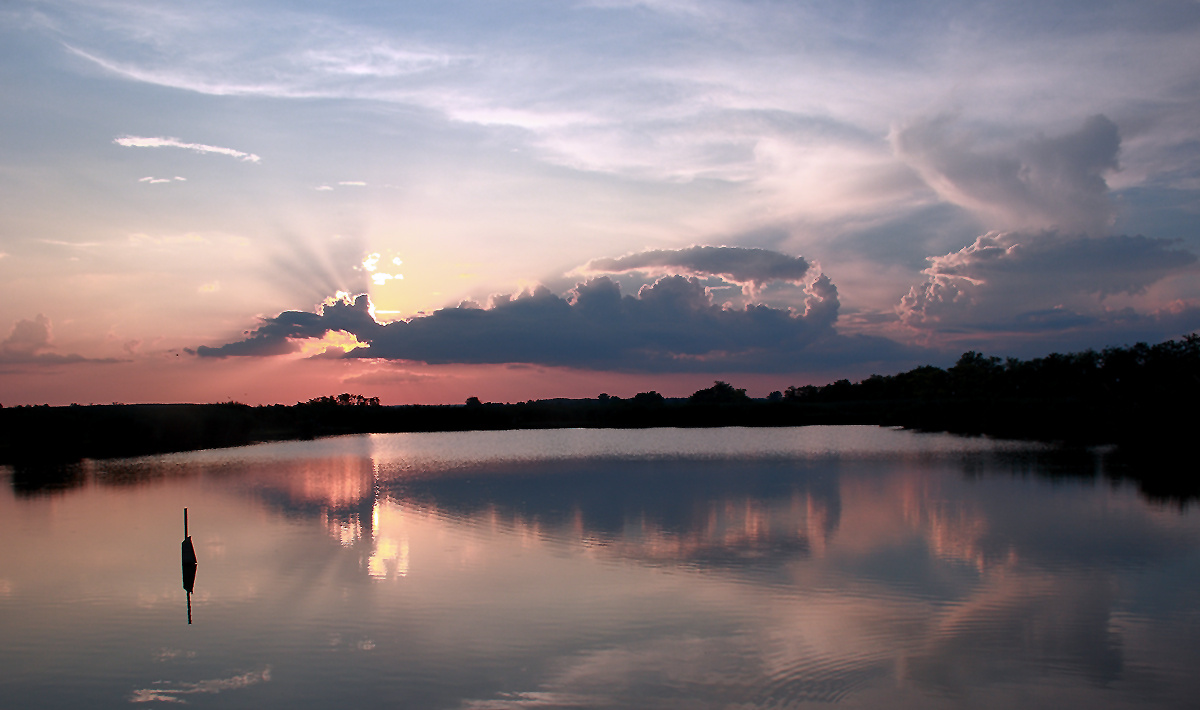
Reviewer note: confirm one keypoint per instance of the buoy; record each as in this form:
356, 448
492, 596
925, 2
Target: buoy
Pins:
189, 552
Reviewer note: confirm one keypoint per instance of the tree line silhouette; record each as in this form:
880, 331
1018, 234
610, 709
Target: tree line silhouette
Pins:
1141, 397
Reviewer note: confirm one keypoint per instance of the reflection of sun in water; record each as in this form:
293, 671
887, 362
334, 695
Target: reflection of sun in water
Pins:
389, 555
348, 533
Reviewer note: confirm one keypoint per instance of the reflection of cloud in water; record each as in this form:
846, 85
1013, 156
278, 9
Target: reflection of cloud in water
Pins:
337, 483
761, 583
164, 691
695, 512
954, 527
1015, 625
724, 672
528, 700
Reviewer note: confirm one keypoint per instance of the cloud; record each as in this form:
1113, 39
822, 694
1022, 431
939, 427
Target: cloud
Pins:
281, 335
28, 336
29, 343
141, 142
671, 325
749, 268
1048, 182
1045, 281
602, 90
380, 278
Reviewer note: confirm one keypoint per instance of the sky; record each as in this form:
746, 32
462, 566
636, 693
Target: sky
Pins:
424, 201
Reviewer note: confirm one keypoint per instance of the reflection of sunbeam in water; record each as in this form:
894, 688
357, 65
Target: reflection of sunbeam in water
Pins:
163, 692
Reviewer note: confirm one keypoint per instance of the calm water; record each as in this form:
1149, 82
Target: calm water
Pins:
728, 568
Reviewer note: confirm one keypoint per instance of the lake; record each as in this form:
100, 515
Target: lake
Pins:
663, 568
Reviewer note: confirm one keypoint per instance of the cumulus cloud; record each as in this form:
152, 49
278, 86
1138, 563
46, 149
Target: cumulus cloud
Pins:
282, 334
1043, 281
30, 343
159, 142
1043, 183
28, 336
749, 268
670, 325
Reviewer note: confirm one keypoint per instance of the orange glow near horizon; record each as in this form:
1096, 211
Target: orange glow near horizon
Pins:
288, 379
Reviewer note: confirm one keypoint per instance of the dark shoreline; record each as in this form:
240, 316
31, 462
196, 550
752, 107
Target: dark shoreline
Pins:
123, 430
1140, 399
1148, 447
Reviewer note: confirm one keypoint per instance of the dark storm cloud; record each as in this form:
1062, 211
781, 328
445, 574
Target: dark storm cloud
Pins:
672, 325
1046, 182
745, 266
277, 336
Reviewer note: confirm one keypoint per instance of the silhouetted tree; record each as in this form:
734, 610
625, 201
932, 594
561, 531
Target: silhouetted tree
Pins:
796, 394
719, 393
648, 399
345, 399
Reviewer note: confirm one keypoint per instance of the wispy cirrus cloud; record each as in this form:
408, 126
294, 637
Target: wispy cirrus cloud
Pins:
742, 92
161, 142
1047, 182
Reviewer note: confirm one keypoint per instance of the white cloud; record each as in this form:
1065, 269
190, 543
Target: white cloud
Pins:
159, 142
621, 100
381, 278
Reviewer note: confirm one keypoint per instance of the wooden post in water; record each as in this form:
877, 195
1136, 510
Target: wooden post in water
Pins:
189, 552
189, 564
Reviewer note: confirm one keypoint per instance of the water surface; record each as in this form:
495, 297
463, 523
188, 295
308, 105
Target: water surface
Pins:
721, 568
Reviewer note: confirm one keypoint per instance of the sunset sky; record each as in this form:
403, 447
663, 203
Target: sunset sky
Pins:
544, 199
